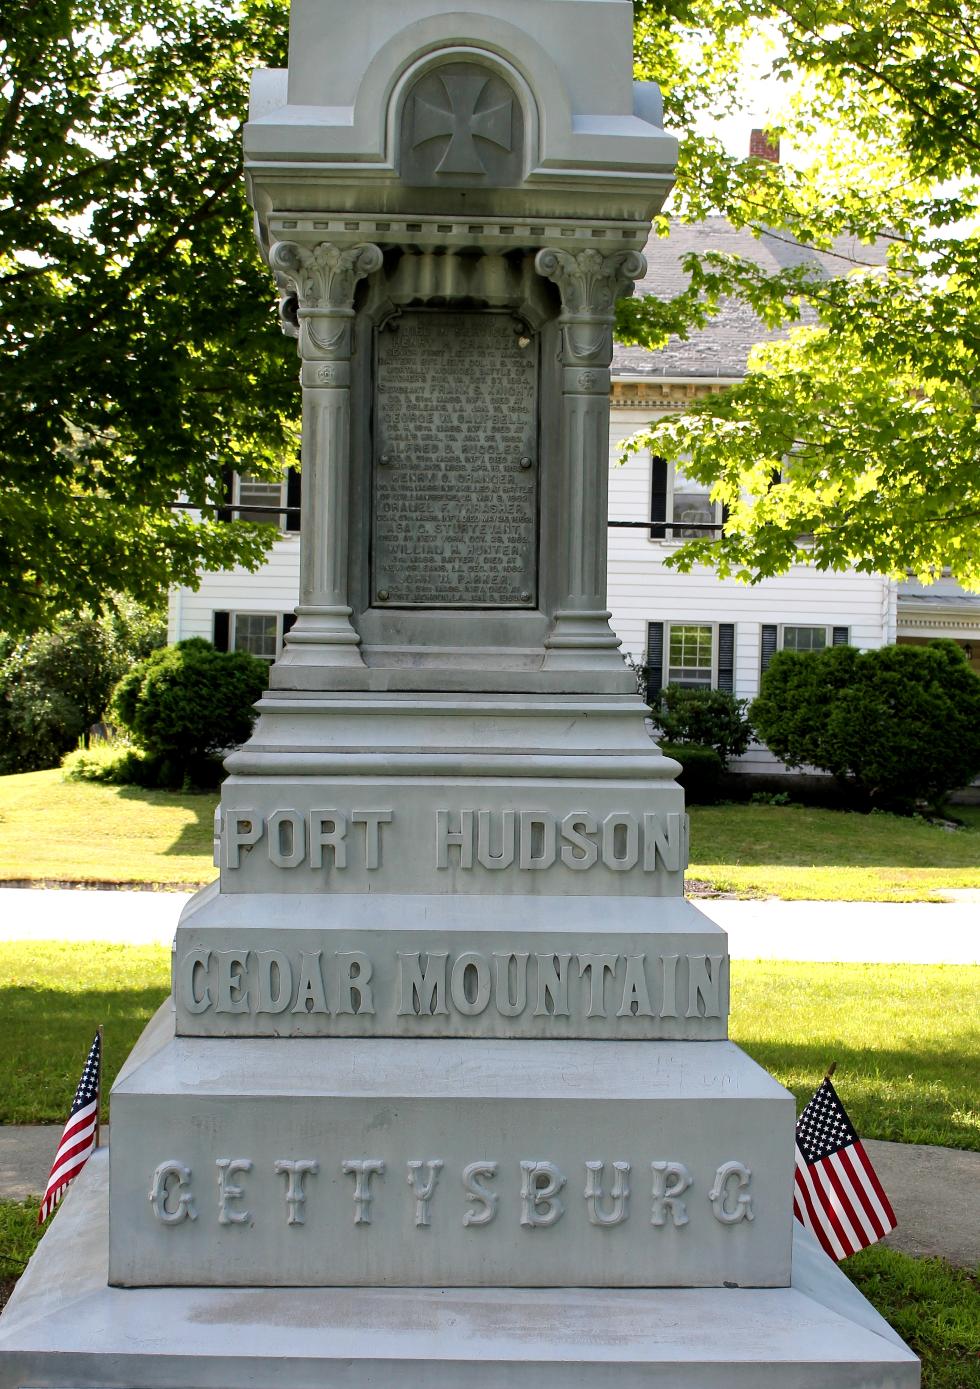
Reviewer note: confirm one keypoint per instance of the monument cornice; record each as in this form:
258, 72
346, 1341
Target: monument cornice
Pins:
459, 232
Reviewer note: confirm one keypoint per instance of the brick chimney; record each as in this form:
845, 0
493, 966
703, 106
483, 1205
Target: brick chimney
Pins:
761, 147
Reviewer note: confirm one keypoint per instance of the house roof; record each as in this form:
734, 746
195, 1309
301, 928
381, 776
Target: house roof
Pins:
722, 348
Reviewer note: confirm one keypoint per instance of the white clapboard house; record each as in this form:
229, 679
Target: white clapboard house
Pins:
692, 629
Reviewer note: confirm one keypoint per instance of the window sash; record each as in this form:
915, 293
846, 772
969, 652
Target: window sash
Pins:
691, 654
800, 637
259, 492
256, 633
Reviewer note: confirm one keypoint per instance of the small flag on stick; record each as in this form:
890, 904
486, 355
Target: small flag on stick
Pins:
81, 1133
837, 1196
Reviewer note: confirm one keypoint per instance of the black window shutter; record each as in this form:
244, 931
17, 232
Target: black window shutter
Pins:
287, 621
726, 656
770, 640
225, 513
842, 636
221, 630
294, 494
726, 512
658, 498
655, 660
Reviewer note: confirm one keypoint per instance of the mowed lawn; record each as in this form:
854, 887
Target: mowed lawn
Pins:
59, 831
906, 1038
70, 832
801, 853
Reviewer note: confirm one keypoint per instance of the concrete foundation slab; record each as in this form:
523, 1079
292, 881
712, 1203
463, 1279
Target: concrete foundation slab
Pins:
65, 1326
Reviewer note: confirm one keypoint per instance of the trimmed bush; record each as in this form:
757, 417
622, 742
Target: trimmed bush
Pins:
187, 704
708, 718
900, 724
701, 770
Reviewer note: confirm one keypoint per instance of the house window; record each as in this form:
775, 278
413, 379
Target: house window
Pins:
253, 492
260, 634
249, 498
680, 508
794, 637
696, 655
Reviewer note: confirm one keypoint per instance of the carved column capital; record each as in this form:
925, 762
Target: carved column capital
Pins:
588, 281
326, 276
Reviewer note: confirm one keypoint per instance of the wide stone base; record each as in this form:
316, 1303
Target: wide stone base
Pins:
65, 1326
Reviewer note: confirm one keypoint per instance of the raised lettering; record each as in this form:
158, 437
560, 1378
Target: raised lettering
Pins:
354, 975
469, 984
597, 967
232, 986
552, 985
310, 996
294, 1172
423, 1192
161, 1191
372, 820
484, 1201
668, 1004
229, 1191
193, 961
541, 1205
422, 994
636, 996
362, 1170
287, 838
703, 986
507, 968
574, 829
668, 841
334, 838
461, 838
670, 1181
620, 1193
732, 1179
243, 828
504, 857
538, 840
620, 842
275, 976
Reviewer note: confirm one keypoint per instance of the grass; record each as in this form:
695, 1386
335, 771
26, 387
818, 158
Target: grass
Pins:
933, 1306
906, 1038
801, 853
57, 831
76, 832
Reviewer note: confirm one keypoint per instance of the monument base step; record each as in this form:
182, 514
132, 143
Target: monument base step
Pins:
65, 1326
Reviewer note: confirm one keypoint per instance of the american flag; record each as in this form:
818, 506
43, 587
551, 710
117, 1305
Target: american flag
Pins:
78, 1138
837, 1196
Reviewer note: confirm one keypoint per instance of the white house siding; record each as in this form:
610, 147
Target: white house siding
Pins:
273, 588
642, 589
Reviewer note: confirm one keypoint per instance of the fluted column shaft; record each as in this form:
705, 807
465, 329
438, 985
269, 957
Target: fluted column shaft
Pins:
325, 280
589, 283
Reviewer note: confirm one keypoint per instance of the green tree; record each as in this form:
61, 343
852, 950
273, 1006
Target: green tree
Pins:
141, 353
55, 685
867, 412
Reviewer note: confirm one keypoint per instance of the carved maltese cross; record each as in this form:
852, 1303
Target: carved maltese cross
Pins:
463, 123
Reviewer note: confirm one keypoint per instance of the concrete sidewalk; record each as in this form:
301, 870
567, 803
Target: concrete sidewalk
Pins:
933, 1190
882, 932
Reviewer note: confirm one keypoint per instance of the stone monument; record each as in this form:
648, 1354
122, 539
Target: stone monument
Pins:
444, 1089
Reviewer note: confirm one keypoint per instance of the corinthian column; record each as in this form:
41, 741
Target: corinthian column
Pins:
589, 283
325, 279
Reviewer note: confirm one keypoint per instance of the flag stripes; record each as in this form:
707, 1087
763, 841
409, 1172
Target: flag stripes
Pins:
837, 1194
78, 1137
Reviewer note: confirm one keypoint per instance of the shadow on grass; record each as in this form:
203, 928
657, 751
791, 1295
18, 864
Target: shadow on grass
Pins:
922, 1093
45, 1036
196, 834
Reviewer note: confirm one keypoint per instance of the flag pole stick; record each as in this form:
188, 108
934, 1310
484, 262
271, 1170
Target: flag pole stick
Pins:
830, 1069
98, 1098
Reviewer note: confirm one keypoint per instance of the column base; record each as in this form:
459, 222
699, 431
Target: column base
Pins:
321, 636
65, 1325
582, 640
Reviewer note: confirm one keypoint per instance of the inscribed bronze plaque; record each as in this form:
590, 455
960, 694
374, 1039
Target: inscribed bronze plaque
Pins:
455, 475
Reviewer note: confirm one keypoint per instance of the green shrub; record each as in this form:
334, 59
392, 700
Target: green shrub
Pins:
709, 718
188, 703
701, 770
899, 724
111, 765
55, 685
